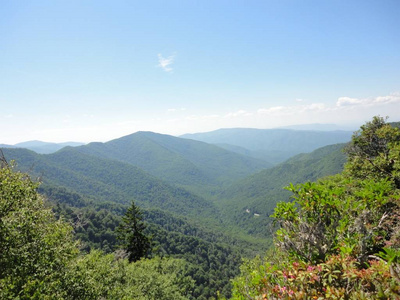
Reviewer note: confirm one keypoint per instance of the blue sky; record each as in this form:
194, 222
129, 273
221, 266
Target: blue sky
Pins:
97, 70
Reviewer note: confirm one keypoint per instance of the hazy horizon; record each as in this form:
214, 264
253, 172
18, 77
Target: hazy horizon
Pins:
332, 127
83, 72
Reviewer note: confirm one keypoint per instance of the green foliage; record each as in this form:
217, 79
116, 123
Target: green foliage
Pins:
340, 277
374, 151
35, 249
340, 237
98, 276
336, 213
131, 234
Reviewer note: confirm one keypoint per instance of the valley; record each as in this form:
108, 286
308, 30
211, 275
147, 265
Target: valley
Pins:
202, 202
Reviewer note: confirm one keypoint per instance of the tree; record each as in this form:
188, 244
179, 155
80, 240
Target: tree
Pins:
131, 234
35, 248
374, 152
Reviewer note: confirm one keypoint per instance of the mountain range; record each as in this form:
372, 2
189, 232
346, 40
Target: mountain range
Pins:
272, 145
188, 177
42, 147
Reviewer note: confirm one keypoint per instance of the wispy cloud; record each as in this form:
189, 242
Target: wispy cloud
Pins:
165, 63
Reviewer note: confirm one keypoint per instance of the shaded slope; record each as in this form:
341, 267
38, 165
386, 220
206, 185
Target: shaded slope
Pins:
259, 193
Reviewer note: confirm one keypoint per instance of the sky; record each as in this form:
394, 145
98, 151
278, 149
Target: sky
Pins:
86, 71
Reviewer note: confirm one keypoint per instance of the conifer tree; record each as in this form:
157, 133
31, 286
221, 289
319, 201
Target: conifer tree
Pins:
131, 234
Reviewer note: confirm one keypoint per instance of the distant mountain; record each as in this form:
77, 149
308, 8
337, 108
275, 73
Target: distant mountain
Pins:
272, 145
320, 127
251, 201
42, 147
6, 146
191, 164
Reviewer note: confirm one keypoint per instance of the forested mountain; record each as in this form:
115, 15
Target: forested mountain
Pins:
109, 180
195, 165
272, 145
250, 201
247, 203
42, 147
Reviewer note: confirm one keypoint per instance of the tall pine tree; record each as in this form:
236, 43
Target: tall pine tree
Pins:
131, 236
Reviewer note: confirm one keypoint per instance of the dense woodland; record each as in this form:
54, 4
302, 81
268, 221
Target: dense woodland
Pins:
339, 237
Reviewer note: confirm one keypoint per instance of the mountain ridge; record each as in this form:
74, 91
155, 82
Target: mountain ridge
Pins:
191, 164
272, 145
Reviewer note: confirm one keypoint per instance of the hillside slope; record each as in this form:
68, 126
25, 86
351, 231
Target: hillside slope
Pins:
250, 201
194, 165
108, 180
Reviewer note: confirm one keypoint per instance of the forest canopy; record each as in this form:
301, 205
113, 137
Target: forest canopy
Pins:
40, 259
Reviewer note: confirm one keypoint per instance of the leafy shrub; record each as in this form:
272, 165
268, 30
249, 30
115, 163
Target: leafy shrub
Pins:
340, 237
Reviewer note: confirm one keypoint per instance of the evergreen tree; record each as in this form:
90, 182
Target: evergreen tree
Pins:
131, 234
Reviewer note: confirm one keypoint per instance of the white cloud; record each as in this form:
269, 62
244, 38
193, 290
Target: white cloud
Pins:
347, 101
393, 98
368, 102
165, 63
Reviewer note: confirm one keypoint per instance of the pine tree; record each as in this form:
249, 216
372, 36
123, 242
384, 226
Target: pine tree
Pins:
131, 234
